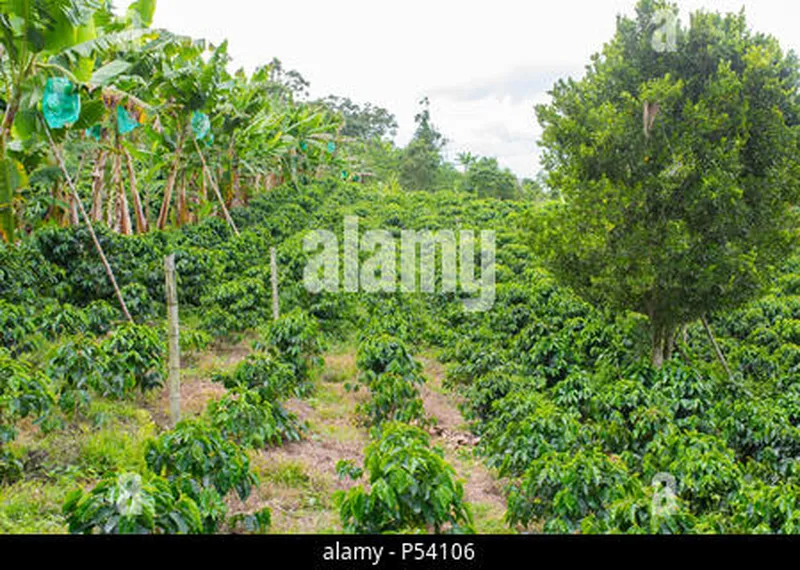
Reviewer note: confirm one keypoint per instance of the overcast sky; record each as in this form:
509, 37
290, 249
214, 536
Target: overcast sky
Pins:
484, 65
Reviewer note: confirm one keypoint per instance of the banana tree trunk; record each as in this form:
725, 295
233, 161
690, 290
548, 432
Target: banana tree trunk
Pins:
163, 216
215, 187
123, 214
141, 217
98, 177
235, 178
183, 207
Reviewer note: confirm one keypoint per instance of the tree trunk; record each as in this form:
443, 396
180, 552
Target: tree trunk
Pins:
74, 220
98, 177
183, 211
658, 347
98, 247
663, 344
717, 349
123, 213
215, 187
163, 216
203, 189
141, 218
234, 159
276, 308
111, 205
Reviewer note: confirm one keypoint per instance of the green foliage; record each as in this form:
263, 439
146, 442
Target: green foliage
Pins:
197, 451
384, 353
24, 392
422, 159
264, 373
365, 122
523, 427
258, 522
686, 216
484, 177
634, 514
101, 317
236, 306
296, 338
16, 329
250, 420
393, 398
136, 360
766, 509
58, 320
704, 467
412, 488
562, 488
393, 378
130, 504
79, 367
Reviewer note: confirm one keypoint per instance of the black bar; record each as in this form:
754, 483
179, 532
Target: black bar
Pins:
334, 552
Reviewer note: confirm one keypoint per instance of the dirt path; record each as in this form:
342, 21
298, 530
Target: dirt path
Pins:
298, 479
197, 388
452, 434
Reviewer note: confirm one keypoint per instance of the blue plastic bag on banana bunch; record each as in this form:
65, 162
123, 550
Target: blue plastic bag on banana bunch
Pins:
61, 104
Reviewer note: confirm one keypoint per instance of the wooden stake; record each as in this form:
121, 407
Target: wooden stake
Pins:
276, 309
86, 219
174, 340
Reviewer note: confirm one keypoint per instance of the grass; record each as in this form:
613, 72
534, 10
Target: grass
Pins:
110, 438
489, 519
340, 367
34, 507
299, 497
291, 474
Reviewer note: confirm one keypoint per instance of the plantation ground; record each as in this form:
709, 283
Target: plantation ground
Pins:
296, 479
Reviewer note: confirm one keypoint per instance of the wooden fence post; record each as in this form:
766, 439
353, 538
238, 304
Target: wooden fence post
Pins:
276, 309
174, 341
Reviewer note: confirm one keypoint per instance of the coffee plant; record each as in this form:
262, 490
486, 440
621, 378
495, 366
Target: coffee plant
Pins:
136, 360
296, 338
245, 417
266, 374
412, 487
130, 504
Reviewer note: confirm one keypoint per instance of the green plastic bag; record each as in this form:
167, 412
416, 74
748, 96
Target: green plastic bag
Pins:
61, 104
331, 147
201, 125
125, 123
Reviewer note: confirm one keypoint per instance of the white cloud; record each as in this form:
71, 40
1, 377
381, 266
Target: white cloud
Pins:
484, 65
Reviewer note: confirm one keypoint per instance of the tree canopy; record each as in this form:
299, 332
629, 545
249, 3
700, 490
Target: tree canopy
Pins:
687, 211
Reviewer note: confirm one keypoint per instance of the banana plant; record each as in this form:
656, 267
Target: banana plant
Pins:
271, 136
37, 41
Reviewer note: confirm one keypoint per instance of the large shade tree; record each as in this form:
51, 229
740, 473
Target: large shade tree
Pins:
678, 167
